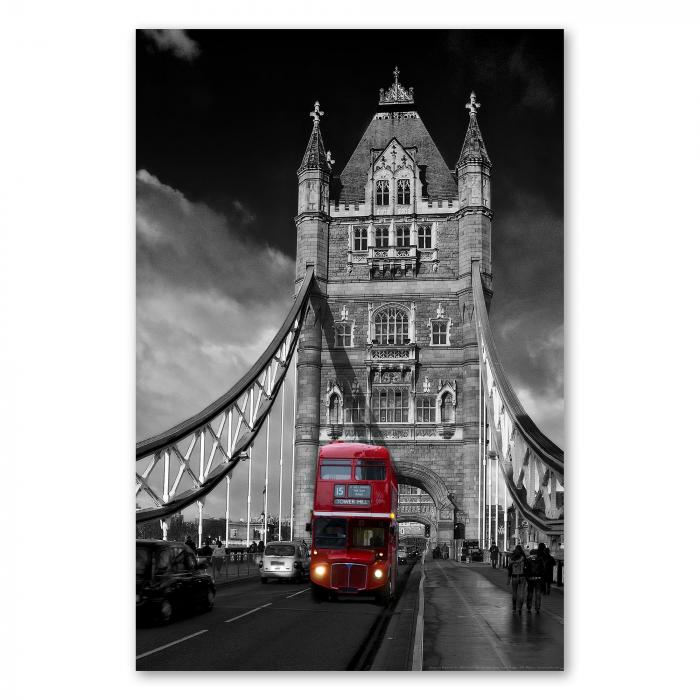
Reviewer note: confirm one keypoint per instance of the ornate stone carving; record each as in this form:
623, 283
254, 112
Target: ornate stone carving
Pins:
472, 105
396, 94
424, 433
392, 354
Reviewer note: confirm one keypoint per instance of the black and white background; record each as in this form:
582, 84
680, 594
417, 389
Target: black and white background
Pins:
68, 281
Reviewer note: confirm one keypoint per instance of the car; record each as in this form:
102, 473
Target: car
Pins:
170, 581
401, 554
285, 561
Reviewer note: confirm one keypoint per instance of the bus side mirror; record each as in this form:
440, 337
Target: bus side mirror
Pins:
308, 527
392, 529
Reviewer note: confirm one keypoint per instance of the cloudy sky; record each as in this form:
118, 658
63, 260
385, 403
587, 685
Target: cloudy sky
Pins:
221, 125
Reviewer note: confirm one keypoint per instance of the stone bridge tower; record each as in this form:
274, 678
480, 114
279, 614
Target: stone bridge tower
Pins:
389, 350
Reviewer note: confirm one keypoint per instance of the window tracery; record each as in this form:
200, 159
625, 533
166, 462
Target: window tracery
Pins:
382, 193
403, 191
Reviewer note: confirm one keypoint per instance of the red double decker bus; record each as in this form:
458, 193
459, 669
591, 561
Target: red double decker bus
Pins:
353, 525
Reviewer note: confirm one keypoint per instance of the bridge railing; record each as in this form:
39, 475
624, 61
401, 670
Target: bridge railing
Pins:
531, 464
205, 448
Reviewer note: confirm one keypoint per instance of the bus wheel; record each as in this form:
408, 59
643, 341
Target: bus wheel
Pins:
318, 594
386, 594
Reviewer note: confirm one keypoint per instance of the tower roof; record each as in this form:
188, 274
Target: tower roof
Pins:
315, 155
473, 149
437, 180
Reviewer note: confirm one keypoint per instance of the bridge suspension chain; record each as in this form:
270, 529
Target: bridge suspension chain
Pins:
223, 432
531, 465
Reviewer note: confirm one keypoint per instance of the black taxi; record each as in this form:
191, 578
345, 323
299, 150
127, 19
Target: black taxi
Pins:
169, 581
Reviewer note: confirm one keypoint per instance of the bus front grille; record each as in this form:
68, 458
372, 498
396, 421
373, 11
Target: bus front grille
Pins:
351, 577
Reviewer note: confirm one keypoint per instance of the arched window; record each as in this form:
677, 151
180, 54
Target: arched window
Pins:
447, 409
403, 236
403, 192
382, 199
355, 409
334, 410
439, 328
343, 335
381, 237
391, 326
425, 236
390, 405
425, 409
359, 238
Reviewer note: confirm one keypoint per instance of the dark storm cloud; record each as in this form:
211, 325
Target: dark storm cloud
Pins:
229, 151
527, 311
205, 305
174, 41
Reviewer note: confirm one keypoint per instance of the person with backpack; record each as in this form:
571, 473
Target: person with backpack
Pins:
494, 554
516, 578
535, 574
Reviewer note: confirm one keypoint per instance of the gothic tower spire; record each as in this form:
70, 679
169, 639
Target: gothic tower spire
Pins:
473, 149
313, 217
474, 188
315, 154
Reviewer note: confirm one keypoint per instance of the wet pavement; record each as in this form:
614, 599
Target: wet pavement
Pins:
470, 626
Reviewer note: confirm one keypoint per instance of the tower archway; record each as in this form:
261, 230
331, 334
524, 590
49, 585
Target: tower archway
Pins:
425, 478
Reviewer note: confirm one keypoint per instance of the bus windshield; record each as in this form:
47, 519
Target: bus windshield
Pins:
330, 533
368, 536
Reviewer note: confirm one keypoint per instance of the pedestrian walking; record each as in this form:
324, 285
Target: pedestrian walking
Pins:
516, 578
494, 554
217, 558
190, 543
206, 552
535, 574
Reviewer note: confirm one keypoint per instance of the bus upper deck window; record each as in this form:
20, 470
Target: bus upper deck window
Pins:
335, 469
370, 471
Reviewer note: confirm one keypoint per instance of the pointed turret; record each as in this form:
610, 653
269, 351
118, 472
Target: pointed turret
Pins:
313, 209
473, 149
315, 157
474, 186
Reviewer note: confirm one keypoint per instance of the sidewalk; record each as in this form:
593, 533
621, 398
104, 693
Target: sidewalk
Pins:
469, 624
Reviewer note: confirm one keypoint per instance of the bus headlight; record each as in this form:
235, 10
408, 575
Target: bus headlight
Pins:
320, 570
378, 573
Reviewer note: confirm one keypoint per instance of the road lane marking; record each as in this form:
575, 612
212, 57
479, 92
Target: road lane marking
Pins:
303, 590
238, 617
417, 664
165, 646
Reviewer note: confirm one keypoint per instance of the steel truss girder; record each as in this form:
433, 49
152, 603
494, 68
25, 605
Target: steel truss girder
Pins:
248, 402
530, 463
